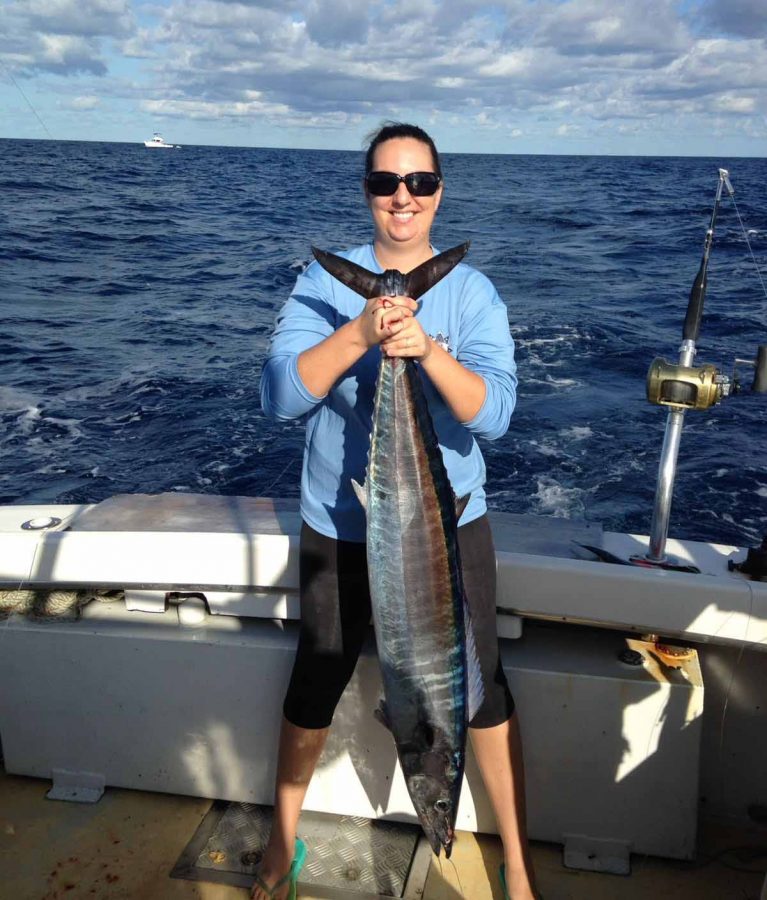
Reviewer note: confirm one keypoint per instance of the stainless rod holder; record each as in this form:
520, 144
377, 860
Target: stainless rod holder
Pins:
665, 489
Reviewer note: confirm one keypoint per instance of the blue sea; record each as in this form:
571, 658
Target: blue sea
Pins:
138, 290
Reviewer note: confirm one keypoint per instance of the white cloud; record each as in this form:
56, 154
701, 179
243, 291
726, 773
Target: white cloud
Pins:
84, 103
86, 18
64, 37
201, 109
613, 28
728, 103
68, 54
710, 67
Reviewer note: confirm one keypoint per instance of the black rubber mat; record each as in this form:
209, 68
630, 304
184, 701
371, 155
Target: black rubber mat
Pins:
348, 857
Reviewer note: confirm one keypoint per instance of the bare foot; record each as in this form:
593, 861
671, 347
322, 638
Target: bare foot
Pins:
274, 864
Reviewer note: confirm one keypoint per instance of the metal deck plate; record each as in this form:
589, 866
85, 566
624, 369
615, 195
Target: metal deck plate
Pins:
348, 857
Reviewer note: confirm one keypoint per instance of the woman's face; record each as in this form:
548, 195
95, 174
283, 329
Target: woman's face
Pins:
401, 220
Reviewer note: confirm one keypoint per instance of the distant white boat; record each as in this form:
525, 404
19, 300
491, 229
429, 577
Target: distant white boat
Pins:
159, 142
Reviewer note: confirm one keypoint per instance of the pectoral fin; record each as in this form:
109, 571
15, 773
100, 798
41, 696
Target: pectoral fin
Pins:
361, 495
460, 504
382, 714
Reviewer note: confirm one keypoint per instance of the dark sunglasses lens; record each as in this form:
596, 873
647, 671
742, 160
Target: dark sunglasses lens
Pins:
422, 184
419, 184
382, 184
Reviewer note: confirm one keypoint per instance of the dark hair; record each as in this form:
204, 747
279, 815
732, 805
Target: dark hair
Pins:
389, 130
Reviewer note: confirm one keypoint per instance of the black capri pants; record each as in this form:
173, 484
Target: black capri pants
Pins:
336, 613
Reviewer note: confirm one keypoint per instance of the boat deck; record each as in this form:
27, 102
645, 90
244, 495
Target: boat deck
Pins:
125, 846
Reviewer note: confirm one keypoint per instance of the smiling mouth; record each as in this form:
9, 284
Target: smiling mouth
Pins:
403, 216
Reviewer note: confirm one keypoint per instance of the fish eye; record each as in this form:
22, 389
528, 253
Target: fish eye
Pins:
442, 805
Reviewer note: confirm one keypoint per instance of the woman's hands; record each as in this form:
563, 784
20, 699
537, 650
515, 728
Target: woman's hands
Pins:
382, 322
383, 318
402, 336
391, 323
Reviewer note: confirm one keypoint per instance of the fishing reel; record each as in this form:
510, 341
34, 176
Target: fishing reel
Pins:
701, 387
684, 386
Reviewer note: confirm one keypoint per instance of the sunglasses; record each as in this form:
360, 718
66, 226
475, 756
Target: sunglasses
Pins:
419, 184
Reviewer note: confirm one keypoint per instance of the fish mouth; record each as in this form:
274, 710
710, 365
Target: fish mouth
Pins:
439, 842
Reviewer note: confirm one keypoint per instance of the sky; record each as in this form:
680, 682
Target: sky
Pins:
636, 77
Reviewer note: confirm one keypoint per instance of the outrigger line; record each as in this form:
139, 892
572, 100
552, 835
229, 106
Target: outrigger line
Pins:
18, 88
750, 250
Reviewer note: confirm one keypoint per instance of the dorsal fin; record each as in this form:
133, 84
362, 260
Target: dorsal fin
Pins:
369, 284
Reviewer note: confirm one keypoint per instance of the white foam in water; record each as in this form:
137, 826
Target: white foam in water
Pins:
555, 383
70, 425
12, 399
561, 382
53, 468
89, 391
30, 418
545, 448
555, 500
560, 338
577, 432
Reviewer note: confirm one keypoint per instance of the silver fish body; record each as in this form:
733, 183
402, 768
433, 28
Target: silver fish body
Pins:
425, 642
418, 598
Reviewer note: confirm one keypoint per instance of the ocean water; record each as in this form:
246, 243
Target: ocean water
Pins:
138, 290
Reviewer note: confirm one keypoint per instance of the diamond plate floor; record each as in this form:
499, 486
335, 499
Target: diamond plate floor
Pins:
348, 857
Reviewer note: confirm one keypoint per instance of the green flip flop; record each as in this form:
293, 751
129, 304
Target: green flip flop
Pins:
502, 874
291, 876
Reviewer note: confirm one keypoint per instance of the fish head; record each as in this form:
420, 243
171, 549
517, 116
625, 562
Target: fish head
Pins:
436, 806
433, 779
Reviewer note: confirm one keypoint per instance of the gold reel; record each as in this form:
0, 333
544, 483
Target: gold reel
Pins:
684, 387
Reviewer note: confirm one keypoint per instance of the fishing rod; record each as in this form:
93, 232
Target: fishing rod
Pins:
683, 386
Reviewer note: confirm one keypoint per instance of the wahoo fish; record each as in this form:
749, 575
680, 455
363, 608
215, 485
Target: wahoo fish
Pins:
426, 651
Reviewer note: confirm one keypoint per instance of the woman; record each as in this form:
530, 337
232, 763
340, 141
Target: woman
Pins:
323, 364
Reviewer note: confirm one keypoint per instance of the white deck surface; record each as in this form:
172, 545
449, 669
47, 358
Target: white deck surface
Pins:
241, 554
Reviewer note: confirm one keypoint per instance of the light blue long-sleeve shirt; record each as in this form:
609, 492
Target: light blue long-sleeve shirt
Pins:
463, 312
